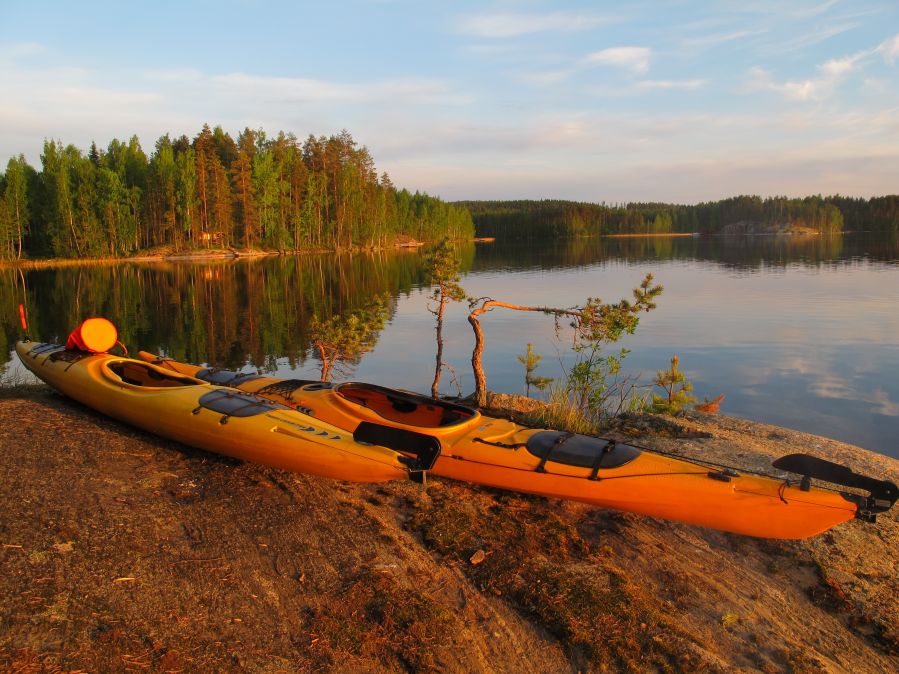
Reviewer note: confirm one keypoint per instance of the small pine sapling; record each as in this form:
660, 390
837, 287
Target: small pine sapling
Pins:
676, 390
531, 360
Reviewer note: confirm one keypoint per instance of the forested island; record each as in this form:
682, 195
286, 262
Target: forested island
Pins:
212, 192
555, 218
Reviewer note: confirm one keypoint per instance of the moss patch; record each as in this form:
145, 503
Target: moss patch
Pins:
536, 560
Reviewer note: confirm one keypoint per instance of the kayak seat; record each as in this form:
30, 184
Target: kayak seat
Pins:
410, 409
583, 451
402, 406
142, 374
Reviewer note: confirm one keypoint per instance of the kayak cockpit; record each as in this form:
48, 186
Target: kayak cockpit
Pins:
406, 408
135, 373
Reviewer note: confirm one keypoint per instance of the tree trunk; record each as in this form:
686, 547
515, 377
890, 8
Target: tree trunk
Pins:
480, 379
326, 365
440, 311
477, 366
19, 226
72, 228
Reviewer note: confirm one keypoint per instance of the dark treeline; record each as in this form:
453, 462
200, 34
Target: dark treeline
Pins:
211, 191
555, 218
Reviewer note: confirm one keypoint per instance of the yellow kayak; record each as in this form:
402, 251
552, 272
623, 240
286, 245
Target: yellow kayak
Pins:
210, 417
499, 453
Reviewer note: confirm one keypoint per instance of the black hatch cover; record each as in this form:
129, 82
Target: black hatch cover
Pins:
234, 404
580, 450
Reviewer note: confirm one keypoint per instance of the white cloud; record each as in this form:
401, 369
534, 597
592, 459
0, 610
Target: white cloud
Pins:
718, 38
885, 406
890, 49
819, 34
686, 85
831, 75
635, 59
516, 25
545, 77
814, 10
839, 67
174, 75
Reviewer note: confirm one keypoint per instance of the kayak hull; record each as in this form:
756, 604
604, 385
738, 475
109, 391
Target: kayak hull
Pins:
199, 414
500, 453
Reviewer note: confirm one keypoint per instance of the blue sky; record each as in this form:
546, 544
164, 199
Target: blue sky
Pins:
595, 101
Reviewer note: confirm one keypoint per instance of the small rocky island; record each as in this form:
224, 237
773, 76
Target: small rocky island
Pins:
125, 552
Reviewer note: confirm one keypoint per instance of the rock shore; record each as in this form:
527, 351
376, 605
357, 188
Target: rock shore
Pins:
124, 552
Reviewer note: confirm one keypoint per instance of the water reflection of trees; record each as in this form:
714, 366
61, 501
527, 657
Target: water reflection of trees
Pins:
257, 311
742, 253
226, 313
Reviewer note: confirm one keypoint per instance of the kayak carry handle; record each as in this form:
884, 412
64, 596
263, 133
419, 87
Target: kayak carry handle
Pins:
424, 448
882, 494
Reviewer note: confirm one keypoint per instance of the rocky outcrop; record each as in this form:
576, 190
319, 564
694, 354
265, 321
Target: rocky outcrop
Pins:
753, 228
121, 552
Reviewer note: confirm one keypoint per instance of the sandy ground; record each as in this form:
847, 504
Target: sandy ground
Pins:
124, 552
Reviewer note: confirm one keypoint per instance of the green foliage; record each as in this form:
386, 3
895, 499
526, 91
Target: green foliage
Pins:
276, 193
555, 218
594, 324
342, 340
442, 267
442, 264
594, 390
531, 360
676, 390
15, 213
594, 386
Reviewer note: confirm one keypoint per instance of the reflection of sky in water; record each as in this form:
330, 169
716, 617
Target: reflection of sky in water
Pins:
808, 348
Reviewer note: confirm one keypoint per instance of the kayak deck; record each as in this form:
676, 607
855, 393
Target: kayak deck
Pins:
215, 418
500, 453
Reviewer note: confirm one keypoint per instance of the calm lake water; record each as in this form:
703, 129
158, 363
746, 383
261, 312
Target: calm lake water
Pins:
798, 332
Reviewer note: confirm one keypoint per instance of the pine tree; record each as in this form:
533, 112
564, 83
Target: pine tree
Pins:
15, 196
531, 360
676, 390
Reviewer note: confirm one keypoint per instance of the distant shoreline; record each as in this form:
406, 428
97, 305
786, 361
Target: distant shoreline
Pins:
649, 235
201, 255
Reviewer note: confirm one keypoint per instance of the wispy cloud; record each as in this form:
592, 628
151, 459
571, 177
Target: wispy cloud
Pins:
542, 78
814, 10
287, 89
817, 35
831, 74
635, 59
515, 25
718, 38
686, 85
889, 49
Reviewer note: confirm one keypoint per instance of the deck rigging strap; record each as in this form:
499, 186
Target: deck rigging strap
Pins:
561, 440
284, 388
504, 445
597, 462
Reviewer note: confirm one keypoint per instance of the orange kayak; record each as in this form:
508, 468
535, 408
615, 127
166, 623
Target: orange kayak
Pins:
500, 453
216, 418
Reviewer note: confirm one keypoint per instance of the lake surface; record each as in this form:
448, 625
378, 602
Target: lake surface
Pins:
798, 332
